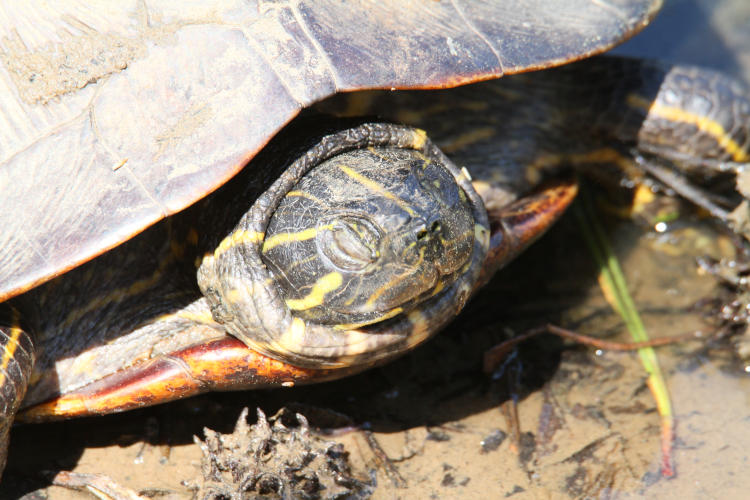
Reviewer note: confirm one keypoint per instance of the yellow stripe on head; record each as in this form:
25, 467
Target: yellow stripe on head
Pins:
438, 288
324, 285
387, 315
376, 188
306, 195
420, 138
283, 238
239, 237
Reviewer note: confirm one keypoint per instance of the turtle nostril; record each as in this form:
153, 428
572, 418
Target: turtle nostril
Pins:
424, 233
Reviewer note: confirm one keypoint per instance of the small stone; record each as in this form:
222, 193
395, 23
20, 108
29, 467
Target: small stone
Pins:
493, 441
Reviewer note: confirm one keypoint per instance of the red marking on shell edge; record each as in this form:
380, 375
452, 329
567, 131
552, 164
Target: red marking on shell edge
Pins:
222, 364
518, 225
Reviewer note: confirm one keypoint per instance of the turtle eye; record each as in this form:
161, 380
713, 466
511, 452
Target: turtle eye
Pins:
350, 242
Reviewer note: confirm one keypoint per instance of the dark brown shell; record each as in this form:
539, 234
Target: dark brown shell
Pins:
115, 116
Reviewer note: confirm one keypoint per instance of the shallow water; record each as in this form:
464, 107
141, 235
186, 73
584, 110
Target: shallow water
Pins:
587, 420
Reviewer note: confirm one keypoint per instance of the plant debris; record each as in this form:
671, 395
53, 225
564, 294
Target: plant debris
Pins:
272, 460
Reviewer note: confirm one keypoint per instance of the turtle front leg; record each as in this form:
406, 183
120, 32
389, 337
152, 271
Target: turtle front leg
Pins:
16, 362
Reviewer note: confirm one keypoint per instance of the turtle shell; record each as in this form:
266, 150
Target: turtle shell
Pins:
117, 115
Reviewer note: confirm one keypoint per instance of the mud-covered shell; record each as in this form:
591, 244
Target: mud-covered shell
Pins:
114, 115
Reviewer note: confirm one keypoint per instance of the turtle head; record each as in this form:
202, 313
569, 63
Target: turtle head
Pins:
364, 247
367, 235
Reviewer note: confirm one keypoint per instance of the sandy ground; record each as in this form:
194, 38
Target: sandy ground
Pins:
588, 424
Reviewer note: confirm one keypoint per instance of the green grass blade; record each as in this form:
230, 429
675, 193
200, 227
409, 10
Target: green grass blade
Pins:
614, 287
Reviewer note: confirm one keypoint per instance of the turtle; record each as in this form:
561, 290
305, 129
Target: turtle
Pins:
171, 228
